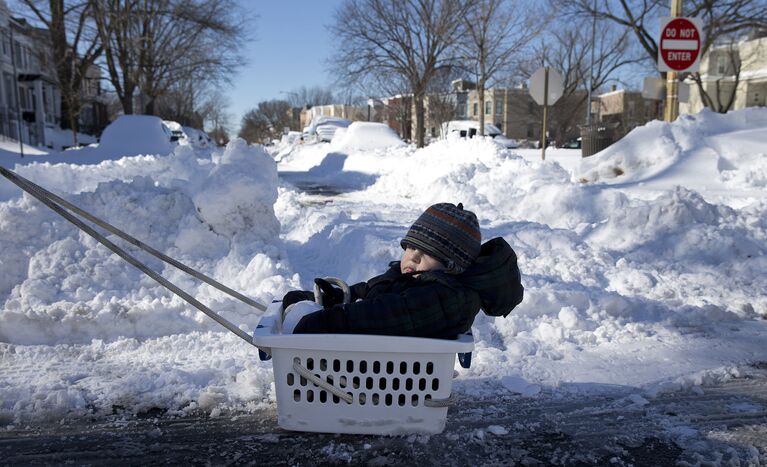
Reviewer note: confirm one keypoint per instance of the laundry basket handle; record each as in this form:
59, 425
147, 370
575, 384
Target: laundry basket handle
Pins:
303, 371
333, 280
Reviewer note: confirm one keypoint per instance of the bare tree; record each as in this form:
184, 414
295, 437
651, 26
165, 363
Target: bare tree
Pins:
310, 96
266, 122
122, 46
568, 49
721, 18
411, 39
496, 32
153, 44
75, 49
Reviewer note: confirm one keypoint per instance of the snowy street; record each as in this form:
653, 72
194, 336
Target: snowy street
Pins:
641, 340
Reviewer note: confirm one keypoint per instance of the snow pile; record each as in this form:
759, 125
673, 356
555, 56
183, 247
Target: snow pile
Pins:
136, 134
661, 149
646, 281
365, 136
216, 216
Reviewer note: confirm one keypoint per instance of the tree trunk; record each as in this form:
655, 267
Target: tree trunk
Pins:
481, 97
419, 120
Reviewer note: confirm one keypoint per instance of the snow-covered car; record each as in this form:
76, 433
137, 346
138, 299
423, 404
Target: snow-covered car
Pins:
324, 127
326, 131
197, 138
470, 128
175, 130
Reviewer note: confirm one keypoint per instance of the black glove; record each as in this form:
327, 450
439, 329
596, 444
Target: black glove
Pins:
330, 295
295, 296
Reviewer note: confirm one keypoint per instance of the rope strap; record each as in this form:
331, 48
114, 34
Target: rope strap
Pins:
321, 383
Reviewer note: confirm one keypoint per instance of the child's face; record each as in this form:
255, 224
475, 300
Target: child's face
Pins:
414, 260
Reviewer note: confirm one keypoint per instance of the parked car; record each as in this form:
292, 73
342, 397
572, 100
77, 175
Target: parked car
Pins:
470, 128
174, 130
325, 127
573, 144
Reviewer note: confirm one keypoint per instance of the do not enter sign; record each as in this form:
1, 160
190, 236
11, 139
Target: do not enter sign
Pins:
679, 44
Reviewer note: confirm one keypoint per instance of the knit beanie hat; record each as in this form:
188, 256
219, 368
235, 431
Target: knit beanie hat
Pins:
448, 233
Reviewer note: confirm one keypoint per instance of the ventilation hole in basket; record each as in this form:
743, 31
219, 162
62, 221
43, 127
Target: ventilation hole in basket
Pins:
376, 367
414, 400
349, 366
429, 368
382, 384
343, 382
376, 399
310, 396
369, 382
401, 400
336, 365
389, 368
336, 399
395, 384
309, 363
435, 384
422, 384
363, 367
302, 381
409, 384
297, 395
388, 400
403, 368
323, 396
416, 368
356, 381
361, 398
329, 379
296, 360
323, 365
291, 379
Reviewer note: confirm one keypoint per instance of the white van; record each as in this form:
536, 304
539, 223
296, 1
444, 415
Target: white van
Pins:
470, 128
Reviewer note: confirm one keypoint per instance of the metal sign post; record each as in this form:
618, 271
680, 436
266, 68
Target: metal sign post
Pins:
545, 112
546, 87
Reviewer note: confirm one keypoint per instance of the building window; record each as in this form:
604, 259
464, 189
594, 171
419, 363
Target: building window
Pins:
476, 107
488, 107
721, 64
499, 108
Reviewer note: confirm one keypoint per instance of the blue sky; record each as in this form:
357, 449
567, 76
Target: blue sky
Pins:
289, 49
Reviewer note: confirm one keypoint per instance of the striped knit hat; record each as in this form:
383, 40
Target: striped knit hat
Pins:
447, 233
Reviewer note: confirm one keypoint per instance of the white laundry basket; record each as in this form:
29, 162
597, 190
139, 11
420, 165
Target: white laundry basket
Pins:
385, 384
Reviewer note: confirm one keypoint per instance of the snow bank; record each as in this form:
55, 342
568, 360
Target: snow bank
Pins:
647, 279
365, 136
217, 216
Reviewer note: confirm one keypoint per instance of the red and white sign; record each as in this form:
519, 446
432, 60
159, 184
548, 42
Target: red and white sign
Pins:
679, 44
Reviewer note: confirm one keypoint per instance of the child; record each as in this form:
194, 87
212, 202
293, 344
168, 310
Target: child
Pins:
442, 280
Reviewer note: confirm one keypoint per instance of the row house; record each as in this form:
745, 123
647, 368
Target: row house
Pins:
625, 110
734, 71
28, 95
30, 100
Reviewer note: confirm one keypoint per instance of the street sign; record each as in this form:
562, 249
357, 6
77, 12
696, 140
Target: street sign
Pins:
654, 88
538, 82
679, 44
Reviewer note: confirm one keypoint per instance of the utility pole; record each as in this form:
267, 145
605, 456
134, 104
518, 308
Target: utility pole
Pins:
16, 91
671, 112
591, 66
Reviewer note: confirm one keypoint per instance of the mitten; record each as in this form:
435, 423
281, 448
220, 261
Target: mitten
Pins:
295, 296
330, 295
